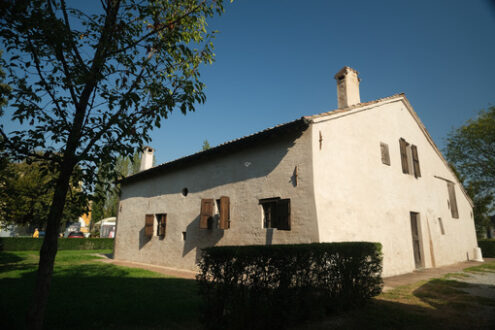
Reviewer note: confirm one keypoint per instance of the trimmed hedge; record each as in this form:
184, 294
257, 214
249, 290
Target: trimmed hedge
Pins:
487, 247
34, 244
274, 286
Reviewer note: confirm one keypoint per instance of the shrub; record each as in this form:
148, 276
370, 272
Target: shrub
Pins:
487, 247
34, 244
274, 286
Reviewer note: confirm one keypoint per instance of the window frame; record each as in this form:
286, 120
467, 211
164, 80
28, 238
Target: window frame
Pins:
276, 213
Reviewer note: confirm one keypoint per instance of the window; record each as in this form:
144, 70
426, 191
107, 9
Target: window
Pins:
276, 213
148, 225
442, 230
184, 235
409, 158
206, 214
385, 153
452, 200
161, 224
224, 211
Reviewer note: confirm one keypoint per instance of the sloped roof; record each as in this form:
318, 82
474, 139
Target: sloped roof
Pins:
300, 124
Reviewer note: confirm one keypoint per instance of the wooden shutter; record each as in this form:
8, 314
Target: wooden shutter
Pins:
403, 156
206, 212
283, 214
453, 201
224, 213
162, 224
414, 151
148, 225
385, 153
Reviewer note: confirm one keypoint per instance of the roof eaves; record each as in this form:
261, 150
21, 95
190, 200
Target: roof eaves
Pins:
300, 124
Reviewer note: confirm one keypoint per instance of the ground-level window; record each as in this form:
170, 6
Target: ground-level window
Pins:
161, 224
276, 213
148, 225
206, 213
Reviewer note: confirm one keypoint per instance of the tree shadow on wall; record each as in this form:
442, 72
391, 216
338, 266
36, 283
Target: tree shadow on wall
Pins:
143, 239
197, 239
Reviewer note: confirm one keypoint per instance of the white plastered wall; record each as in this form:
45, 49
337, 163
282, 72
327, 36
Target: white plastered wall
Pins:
261, 171
360, 199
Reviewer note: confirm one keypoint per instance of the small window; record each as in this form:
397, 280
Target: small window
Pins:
276, 213
148, 225
185, 191
184, 235
161, 224
385, 153
409, 158
452, 200
440, 223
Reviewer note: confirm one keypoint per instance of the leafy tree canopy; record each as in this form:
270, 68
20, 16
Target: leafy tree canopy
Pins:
471, 151
206, 145
89, 86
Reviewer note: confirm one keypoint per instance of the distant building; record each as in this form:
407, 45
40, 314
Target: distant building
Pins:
364, 172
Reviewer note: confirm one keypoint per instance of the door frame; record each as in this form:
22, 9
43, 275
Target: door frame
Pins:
414, 217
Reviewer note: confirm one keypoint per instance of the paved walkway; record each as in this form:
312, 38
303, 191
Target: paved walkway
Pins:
426, 274
389, 282
181, 273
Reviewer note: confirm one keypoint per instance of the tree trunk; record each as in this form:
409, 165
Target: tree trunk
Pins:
48, 251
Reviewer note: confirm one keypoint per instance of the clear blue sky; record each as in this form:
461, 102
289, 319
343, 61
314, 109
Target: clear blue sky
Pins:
275, 62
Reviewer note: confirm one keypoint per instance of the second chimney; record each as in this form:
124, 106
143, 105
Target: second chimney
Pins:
347, 87
146, 158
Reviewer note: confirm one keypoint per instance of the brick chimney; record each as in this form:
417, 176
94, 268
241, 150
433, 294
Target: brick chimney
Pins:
146, 158
347, 87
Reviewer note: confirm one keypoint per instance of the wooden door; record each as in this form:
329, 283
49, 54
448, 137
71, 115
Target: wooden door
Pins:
416, 240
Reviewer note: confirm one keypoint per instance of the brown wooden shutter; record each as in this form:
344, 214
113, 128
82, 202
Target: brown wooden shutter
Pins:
283, 214
162, 221
414, 151
403, 156
224, 213
148, 225
385, 153
453, 201
206, 213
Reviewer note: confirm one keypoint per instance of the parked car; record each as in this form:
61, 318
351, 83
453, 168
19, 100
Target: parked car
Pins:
76, 234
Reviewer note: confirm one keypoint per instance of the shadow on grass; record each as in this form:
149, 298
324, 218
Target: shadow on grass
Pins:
438, 304
95, 296
9, 258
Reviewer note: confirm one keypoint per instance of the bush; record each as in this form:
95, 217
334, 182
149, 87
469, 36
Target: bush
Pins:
256, 287
34, 244
487, 247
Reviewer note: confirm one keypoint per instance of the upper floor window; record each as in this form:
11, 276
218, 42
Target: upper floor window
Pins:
385, 153
452, 200
409, 158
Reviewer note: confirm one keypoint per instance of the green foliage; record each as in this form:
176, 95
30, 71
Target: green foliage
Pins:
34, 244
26, 191
255, 287
206, 145
487, 247
470, 149
106, 199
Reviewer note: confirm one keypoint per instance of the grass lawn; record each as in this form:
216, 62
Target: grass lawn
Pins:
87, 294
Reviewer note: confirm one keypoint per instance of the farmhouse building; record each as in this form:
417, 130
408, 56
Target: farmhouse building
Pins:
364, 172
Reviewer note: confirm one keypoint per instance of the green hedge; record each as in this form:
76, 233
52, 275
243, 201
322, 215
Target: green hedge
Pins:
258, 287
34, 244
487, 247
